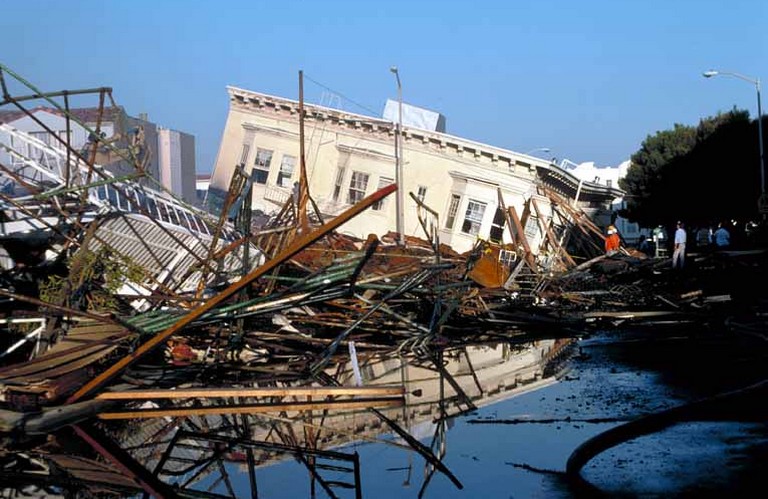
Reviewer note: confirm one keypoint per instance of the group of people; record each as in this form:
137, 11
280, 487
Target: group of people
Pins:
720, 239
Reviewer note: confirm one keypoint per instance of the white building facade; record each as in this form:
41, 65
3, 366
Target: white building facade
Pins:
610, 176
176, 162
170, 154
350, 156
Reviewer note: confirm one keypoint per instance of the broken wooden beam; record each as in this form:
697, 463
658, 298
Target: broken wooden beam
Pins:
305, 391
294, 248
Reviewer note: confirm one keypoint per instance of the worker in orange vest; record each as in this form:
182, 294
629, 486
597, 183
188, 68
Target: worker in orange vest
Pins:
612, 241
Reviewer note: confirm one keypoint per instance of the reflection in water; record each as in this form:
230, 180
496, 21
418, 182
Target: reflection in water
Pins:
206, 447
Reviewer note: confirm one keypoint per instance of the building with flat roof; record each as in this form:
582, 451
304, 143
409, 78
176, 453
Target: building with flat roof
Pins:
170, 154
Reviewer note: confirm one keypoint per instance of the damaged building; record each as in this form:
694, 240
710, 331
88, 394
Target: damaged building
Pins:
349, 156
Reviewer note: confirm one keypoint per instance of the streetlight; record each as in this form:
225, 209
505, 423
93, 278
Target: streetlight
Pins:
399, 162
756, 83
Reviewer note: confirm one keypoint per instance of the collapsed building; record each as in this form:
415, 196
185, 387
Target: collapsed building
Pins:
122, 302
350, 155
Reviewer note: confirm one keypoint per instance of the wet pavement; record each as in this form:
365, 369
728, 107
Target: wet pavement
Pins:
610, 377
504, 418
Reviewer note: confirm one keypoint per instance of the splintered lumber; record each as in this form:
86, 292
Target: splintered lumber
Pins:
529, 259
64, 367
551, 236
336, 405
313, 391
294, 248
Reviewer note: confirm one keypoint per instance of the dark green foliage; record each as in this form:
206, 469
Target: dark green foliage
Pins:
698, 174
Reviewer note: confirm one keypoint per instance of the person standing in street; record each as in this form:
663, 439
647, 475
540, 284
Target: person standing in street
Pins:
678, 256
722, 237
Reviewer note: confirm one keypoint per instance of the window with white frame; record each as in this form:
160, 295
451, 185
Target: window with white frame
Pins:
532, 228
383, 182
507, 257
357, 186
261, 165
473, 217
244, 154
286, 171
453, 209
339, 183
422, 193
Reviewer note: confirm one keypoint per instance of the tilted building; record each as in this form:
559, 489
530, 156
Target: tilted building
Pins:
349, 156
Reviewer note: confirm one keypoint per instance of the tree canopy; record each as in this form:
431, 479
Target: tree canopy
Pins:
697, 174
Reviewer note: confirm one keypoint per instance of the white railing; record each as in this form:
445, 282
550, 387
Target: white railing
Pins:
277, 194
39, 164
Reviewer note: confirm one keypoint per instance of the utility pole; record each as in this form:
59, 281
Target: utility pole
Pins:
399, 163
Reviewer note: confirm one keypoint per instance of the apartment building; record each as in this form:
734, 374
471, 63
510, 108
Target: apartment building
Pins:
349, 156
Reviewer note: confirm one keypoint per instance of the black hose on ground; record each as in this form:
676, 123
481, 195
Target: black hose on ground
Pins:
736, 405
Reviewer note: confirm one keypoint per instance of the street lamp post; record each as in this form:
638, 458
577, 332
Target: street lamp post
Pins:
756, 83
399, 162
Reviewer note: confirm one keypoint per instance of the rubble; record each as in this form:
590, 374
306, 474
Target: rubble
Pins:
124, 303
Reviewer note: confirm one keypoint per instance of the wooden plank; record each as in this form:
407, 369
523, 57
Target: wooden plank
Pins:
256, 408
46, 363
294, 248
507, 217
551, 236
630, 315
528, 257
52, 374
254, 392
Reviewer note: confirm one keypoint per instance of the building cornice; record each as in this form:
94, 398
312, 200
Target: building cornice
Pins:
498, 159
368, 153
270, 130
248, 100
547, 173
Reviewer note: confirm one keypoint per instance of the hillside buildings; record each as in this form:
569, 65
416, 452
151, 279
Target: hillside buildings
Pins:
349, 156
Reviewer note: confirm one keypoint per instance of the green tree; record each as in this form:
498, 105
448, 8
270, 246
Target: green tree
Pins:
697, 174
644, 177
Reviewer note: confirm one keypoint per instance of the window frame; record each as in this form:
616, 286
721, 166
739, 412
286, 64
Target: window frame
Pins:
338, 185
383, 182
452, 211
472, 223
281, 174
261, 166
357, 186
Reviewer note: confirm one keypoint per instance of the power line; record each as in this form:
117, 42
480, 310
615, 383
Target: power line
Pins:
361, 106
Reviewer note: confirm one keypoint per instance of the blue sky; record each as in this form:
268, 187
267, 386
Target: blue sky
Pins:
589, 79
